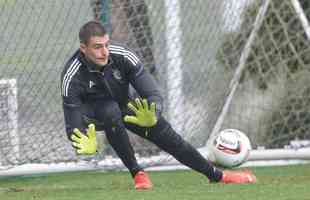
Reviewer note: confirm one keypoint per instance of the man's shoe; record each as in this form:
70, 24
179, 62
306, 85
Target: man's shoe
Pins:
238, 177
142, 181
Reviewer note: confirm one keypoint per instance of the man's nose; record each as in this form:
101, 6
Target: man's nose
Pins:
105, 50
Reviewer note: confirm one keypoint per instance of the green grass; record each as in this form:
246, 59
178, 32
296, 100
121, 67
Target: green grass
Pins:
288, 182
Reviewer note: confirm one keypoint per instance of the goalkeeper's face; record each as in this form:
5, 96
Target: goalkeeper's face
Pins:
97, 49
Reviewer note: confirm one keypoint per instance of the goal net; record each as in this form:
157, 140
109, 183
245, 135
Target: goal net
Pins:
240, 64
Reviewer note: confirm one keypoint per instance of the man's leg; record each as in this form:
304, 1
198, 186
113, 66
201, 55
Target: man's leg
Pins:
164, 136
168, 140
109, 114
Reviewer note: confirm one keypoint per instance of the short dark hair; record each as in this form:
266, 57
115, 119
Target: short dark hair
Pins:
90, 29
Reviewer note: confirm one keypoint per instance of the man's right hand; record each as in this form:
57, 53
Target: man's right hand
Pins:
85, 144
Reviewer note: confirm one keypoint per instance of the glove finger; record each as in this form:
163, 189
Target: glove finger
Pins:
91, 132
76, 145
133, 108
153, 107
75, 138
78, 132
139, 105
131, 119
145, 104
80, 151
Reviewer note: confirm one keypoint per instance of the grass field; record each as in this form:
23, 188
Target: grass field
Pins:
286, 182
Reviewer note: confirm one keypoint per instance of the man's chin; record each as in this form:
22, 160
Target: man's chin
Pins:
101, 64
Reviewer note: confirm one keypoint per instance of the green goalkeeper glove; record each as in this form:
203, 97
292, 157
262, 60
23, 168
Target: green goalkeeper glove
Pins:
145, 116
85, 144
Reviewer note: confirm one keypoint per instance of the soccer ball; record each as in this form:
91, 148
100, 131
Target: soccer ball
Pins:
230, 148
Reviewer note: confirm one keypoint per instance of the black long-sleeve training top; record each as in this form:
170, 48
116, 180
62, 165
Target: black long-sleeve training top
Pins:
82, 83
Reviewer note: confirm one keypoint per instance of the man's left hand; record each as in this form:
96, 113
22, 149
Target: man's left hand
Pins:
145, 115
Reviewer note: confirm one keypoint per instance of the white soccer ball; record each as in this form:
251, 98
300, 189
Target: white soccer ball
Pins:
230, 148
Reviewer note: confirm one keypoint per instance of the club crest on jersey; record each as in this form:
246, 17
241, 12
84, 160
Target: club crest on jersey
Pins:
91, 84
117, 74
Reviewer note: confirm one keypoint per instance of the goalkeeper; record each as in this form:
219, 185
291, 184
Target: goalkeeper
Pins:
95, 84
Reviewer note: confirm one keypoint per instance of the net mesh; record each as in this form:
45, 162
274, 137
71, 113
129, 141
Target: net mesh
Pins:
192, 47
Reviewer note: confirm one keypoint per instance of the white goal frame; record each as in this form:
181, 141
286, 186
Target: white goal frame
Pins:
12, 115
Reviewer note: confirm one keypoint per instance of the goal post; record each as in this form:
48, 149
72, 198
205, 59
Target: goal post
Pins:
9, 138
175, 80
240, 64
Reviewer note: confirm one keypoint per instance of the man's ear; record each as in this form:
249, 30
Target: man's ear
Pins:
82, 47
